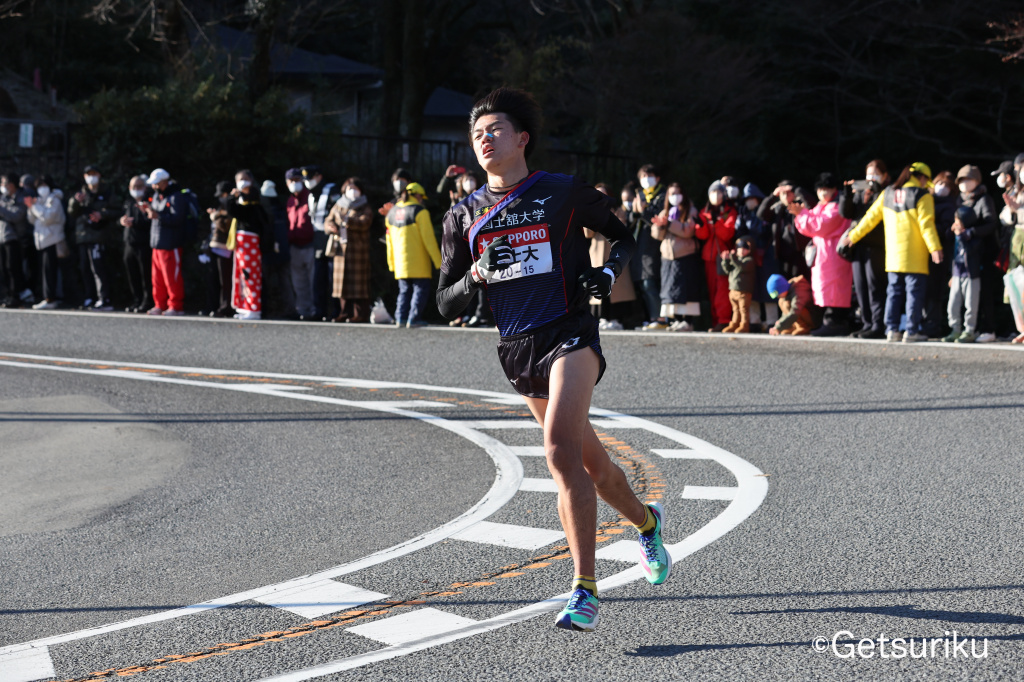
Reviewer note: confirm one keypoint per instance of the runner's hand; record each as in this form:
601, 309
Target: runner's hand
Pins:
598, 281
496, 257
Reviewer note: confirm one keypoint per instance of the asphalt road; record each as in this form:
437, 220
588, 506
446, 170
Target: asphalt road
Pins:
136, 479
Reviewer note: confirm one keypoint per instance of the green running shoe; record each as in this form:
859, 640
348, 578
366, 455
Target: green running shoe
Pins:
654, 558
580, 613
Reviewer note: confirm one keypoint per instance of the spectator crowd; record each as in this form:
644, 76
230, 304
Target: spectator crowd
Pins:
907, 258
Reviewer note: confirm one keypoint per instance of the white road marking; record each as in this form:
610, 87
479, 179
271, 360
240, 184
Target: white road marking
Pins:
320, 598
539, 485
751, 491
26, 665
528, 450
411, 626
623, 550
509, 535
683, 454
709, 492
488, 424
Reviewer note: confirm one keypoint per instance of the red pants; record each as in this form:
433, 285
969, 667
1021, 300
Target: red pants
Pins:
247, 292
168, 284
718, 292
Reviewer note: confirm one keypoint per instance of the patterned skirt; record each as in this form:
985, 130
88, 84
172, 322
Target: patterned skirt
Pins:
247, 280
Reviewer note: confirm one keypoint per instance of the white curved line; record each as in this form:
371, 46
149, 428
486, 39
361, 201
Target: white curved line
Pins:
752, 489
506, 484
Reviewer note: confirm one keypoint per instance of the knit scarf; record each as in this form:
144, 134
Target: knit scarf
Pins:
346, 203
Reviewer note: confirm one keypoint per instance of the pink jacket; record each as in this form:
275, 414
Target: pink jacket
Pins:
831, 276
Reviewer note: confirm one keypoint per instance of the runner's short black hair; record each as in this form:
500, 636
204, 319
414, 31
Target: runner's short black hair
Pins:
521, 108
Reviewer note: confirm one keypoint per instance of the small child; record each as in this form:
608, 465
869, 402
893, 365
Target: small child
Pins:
739, 265
794, 297
965, 284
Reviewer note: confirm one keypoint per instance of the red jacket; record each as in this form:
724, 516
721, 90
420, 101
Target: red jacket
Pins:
716, 234
300, 225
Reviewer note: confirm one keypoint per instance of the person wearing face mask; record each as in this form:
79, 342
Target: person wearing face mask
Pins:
46, 214
869, 278
93, 210
322, 196
831, 274
13, 223
974, 194
716, 227
907, 211
681, 268
252, 229
168, 210
934, 315
732, 190
300, 243
765, 309
648, 203
138, 257
350, 219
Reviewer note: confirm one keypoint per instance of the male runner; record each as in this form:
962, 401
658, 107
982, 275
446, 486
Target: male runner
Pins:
521, 236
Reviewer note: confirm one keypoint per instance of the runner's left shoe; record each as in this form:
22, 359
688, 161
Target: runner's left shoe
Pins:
654, 558
580, 613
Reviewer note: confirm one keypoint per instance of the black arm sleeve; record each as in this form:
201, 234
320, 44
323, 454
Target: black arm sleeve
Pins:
846, 202
456, 287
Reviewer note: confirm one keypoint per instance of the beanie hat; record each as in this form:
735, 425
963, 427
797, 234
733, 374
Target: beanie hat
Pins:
777, 285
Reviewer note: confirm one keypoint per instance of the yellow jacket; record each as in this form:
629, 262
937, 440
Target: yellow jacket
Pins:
908, 215
412, 245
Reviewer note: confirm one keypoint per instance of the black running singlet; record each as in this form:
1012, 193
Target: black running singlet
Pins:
544, 228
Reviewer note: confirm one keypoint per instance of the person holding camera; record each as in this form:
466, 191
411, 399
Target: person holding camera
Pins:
648, 203
869, 279
788, 244
716, 227
137, 253
93, 210
907, 211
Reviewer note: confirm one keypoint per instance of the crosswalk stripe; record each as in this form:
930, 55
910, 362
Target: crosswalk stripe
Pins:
26, 664
683, 454
508, 535
539, 485
320, 598
709, 492
411, 625
623, 550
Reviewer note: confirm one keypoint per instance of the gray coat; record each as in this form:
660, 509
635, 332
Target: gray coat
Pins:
13, 223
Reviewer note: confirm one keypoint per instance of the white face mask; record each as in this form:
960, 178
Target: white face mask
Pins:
243, 184
648, 181
753, 203
92, 180
732, 192
294, 187
967, 186
43, 191
310, 184
469, 185
399, 184
137, 194
352, 194
1001, 181
715, 198
874, 177
675, 199
941, 191
4, 191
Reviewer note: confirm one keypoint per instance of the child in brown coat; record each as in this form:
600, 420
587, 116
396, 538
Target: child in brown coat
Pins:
739, 265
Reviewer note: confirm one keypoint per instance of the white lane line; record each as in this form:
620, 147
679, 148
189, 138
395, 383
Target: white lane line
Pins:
683, 454
709, 492
752, 489
488, 424
508, 535
528, 450
27, 665
506, 484
411, 626
539, 485
320, 598
623, 550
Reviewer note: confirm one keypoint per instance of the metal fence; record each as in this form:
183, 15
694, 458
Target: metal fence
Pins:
50, 150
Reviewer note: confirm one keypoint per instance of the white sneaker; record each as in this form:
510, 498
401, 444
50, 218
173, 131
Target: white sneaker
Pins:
173, 313
914, 338
602, 323
894, 336
614, 326
240, 315
103, 306
987, 337
45, 305
680, 326
155, 311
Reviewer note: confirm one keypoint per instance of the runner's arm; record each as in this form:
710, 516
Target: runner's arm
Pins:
456, 286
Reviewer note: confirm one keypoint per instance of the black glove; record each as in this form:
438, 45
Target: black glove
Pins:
496, 257
598, 281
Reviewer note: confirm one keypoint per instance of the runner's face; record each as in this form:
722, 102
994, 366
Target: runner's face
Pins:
496, 141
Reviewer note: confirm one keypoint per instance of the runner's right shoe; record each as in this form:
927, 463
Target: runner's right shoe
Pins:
580, 613
654, 558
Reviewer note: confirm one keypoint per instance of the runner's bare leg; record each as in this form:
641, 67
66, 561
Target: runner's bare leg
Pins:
576, 459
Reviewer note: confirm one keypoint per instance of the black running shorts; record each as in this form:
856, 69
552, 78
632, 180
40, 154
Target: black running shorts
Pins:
527, 357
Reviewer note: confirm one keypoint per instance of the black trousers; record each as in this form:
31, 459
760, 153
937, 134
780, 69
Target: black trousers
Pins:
870, 282
14, 276
50, 265
93, 265
138, 263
